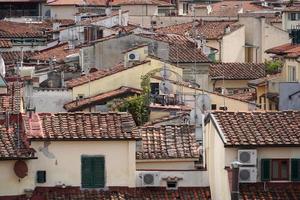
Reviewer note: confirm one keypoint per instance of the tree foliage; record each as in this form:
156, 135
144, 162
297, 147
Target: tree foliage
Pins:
273, 66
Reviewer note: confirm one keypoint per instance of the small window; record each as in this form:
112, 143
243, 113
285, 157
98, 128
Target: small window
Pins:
293, 16
213, 106
280, 169
172, 185
185, 8
291, 73
80, 96
41, 176
223, 108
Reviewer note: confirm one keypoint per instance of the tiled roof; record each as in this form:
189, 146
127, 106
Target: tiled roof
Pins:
179, 118
5, 43
15, 56
232, 8
211, 30
81, 126
15, 30
181, 49
270, 191
259, 128
10, 147
168, 142
236, 71
103, 2
92, 19
101, 74
292, 9
60, 52
83, 103
246, 96
11, 102
287, 50
122, 193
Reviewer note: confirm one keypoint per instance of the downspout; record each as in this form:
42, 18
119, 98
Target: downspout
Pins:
220, 49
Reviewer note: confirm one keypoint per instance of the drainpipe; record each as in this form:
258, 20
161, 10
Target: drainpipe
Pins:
220, 50
235, 192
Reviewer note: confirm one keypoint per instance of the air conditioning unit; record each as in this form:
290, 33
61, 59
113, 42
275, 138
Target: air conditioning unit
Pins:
247, 174
133, 57
150, 179
247, 156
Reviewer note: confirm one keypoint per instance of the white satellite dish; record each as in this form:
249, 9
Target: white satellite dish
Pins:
165, 72
196, 117
165, 87
203, 103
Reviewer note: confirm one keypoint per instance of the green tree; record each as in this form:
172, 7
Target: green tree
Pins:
273, 66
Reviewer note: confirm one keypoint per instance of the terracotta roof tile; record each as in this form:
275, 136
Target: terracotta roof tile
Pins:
60, 52
260, 128
5, 43
270, 191
182, 49
236, 71
15, 30
246, 96
287, 50
11, 57
122, 193
103, 97
101, 74
211, 30
168, 142
81, 126
11, 102
103, 2
292, 9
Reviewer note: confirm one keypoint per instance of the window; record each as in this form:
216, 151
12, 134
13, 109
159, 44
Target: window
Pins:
172, 185
213, 106
292, 16
295, 169
154, 88
280, 169
41, 176
291, 73
185, 8
92, 171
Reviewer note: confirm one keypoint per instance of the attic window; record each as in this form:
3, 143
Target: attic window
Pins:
171, 185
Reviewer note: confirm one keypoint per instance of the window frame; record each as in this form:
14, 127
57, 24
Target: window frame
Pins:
279, 169
292, 73
94, 185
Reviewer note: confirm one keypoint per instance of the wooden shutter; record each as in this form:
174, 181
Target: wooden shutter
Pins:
86, 172
295, 169
98, 172
265, 169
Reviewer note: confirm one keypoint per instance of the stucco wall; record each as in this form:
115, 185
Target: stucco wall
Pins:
288, 24
141, 10
63, 12
175, 164
65, 168
233, 43
229, 83
285, 70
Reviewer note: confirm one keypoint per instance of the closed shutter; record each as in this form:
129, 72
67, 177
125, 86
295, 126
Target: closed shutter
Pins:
295, 169
98, 172
86, 172
265, 169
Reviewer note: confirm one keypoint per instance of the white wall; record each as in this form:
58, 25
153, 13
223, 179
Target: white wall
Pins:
63, 12
232, 46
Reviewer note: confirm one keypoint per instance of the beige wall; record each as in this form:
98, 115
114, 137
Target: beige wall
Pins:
229, 83
233, 49
141, 10
285, 71
65, 168
63, 12
130, 77
171, 164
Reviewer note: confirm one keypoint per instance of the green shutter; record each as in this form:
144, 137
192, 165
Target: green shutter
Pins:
86, 172
265, 169
98, 172
92, 172
295, 170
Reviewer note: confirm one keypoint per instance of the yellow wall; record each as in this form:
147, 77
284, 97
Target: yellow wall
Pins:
130, 77
229, 83
66, 167
171, 164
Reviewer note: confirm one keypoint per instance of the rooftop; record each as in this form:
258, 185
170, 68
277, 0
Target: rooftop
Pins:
211, 30
259, 128
11, 102
11, 57
10, 29
5, 43
101, 74
288, 50
60, 52
80, 126
100, 98
168, 142
236, 71
103, 2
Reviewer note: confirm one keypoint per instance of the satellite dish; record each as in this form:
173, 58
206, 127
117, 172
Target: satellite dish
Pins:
196, 117
165, 72
203, 102
165, 87
46, 151
21, 169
